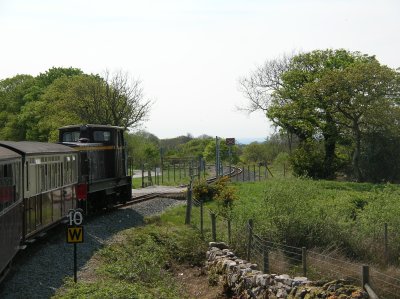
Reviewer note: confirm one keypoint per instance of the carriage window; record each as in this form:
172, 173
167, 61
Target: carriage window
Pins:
70, 136
101, 136
7, 191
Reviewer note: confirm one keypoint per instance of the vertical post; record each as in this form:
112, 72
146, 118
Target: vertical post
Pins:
265, 172
284, 169
199, 169
386, 244
216, 157
230, 160
265, 258
229, 232
304, 260
243, 173
248, 173
174, 173
214, 227
75, 264
201, 218
189, 204
162, 166
184, 169
364, 275
249, 243
180, 171
155, 175
259, 172
254, 172
142, 175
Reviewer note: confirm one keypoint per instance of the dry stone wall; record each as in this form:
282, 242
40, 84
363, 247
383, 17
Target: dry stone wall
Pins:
242, 279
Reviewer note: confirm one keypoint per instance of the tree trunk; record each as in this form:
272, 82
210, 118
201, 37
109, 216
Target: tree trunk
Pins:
357, 152
330, 138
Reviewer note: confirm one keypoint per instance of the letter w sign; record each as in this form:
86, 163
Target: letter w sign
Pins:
75, 234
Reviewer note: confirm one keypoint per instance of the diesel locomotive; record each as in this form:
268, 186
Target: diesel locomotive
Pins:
41, 182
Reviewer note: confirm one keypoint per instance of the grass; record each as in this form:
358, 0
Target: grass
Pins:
138, 262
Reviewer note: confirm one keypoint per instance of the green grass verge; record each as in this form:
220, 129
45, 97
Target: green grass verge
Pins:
138, 264
302, 212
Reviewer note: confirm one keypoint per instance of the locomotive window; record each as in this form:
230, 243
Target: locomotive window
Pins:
70, 136
101, 136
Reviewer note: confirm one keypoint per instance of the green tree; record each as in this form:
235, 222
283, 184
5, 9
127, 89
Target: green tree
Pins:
210, 151
195, 147
144, 148
312, 118
325, 98
361, 98
15, 93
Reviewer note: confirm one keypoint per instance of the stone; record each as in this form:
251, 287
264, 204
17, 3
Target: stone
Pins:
219, 245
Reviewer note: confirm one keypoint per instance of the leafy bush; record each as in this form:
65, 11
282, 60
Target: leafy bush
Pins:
203, 191
304, 212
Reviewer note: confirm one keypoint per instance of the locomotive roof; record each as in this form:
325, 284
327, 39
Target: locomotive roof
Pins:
6, 154
91, 126
33, 147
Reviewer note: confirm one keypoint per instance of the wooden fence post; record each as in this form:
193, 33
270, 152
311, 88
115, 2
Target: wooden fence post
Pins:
386, 244
201, 218
189, 204
229, 232
304, 260
142, 175
214, 227
265, 258
250, 239
365, 275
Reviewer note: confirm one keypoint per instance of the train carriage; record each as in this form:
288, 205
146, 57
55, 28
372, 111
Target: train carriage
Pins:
49, 178
103, 177
10, 206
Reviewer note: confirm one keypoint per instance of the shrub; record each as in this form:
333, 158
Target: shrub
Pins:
203, 191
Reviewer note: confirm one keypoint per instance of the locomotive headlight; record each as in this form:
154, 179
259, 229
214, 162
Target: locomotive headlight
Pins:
38, 161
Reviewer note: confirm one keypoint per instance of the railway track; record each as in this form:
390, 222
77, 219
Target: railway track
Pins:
31, 265
45, 263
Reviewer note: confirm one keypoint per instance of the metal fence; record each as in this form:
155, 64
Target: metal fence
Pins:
275, 257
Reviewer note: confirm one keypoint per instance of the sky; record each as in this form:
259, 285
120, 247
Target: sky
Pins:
190, 54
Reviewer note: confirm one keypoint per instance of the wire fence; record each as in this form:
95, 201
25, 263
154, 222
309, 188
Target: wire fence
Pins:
275, 257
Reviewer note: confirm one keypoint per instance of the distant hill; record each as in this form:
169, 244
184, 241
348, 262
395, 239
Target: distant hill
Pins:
248, 140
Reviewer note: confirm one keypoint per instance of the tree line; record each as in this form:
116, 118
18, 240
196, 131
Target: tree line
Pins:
33, 107
341, 107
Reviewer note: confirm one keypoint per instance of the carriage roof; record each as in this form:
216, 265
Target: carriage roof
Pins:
33, 147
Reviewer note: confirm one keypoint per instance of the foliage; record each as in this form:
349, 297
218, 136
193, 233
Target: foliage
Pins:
203, 191
329, 99
209, 152
138, 264
221, 192
195, 147
34, 107
302, 212
143, 147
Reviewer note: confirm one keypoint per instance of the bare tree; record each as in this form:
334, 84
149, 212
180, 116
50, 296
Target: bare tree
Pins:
262, 83
125, 101
115, 99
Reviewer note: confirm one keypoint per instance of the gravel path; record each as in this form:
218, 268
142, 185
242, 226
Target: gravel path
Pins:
40, 268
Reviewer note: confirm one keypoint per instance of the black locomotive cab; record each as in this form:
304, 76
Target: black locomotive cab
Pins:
103, 178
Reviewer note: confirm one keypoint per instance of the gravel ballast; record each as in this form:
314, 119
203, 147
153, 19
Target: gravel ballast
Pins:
39, 270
